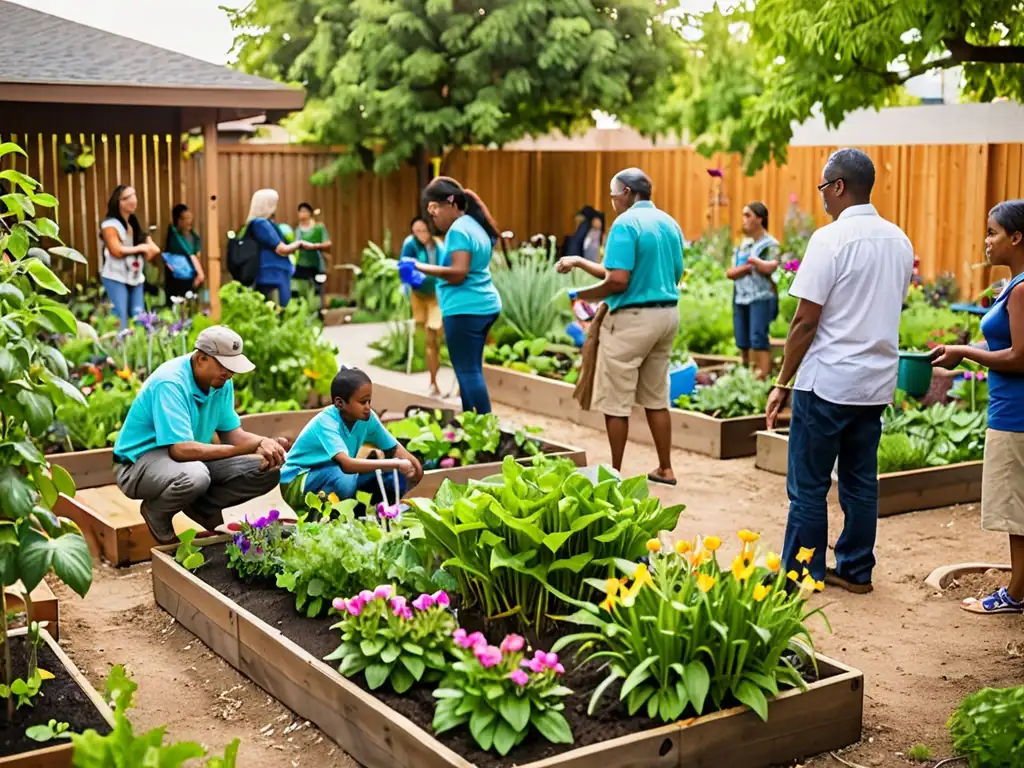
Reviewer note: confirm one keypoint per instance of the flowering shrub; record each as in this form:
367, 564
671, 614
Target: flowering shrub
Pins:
389, 638
255, 551
686, 630
501, 693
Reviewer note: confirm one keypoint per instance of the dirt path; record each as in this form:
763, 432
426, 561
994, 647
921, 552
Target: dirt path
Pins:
920, 654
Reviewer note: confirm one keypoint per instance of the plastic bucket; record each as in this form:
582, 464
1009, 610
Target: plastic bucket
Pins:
682, 380
915, 373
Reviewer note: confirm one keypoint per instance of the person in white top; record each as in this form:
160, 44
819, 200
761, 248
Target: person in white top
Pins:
843, 349
125, 248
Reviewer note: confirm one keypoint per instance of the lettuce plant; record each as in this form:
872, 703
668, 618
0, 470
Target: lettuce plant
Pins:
521, 543
685, 631
986, 728
501, 694
389, 638
737, 393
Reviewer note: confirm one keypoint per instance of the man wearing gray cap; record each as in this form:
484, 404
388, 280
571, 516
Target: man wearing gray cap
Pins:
164, 454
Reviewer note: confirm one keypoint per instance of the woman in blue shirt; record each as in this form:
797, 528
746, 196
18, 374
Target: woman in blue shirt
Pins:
469, 301
276, 266
1002, 484
755, 301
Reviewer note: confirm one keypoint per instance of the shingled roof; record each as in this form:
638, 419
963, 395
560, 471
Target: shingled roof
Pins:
45, 56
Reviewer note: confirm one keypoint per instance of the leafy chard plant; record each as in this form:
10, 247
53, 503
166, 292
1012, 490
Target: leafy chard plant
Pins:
736, 393
390, 638
34, 380
501, 694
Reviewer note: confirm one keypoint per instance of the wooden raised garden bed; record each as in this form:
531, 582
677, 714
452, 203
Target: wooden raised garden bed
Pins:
827, 716
45, 607
68, 697
338, 316
115, 530
691, 431
898, 492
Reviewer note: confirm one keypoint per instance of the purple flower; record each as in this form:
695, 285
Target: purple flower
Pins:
367, 596
339, 604
518, 677
968, 375
388, 511
441, 598
355, 606
423, 603
273, 515
487, 655
715, 173
383, 591
244, 546
512, 643
447, 463
237, 539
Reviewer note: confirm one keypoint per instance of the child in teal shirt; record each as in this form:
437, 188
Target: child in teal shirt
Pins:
324, 456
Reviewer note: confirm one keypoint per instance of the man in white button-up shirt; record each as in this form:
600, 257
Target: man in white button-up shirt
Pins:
843, 349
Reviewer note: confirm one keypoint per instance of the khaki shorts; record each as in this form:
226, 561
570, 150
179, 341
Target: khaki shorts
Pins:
1002, 483
426, 311
633, 354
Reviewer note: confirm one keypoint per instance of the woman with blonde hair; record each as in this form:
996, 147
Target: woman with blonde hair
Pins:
276, 266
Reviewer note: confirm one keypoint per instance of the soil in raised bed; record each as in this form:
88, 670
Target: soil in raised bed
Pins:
61, 699
277, 608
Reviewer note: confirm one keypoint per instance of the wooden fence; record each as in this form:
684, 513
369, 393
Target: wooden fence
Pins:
939, 194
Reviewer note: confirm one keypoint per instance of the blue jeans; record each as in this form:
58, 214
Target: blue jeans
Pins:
466, 336
818, 433
330, 478
127, 299
280, 282
750, 323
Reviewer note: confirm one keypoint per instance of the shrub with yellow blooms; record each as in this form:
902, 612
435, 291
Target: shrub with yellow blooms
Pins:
684, 635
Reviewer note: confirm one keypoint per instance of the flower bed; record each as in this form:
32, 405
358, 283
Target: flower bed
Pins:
68, 698
411, 680
898, 492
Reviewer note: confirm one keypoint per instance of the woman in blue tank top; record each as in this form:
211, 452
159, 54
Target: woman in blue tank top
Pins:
1002, 485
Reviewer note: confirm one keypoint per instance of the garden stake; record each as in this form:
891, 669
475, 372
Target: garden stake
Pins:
398, 493
380, 482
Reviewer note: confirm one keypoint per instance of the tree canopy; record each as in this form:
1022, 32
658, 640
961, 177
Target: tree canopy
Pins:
754, 71
397, 80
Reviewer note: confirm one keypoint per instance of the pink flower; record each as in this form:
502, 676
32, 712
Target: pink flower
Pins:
450, 436
512, 643
487, 655
447, 463
355, 606
559, 669
518, 677
549, 660
423, 603
468, 641
367, 596
405, 613
399, 605
980, 376
441, 598
793, 198
339, 604
383, 591
534, 665
968, 375
388, 511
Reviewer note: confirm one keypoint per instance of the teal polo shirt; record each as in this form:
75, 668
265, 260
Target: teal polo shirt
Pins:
476, 295
648, 244
171, 408
326, 435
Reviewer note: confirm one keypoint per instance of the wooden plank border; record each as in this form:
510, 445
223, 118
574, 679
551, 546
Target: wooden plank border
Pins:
691, 431
45, 607
59, 756
827, 716
898, 492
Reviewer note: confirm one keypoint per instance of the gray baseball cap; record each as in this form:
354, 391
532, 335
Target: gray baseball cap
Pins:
224, 345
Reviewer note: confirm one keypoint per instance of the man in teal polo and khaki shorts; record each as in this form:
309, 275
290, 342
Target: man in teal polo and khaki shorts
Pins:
643, 265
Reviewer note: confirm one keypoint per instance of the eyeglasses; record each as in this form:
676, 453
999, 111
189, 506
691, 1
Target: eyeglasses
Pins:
827, 184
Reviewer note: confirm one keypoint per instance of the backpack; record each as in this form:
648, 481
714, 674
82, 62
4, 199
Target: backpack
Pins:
244, 258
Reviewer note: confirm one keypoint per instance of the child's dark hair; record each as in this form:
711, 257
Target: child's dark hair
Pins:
444, 189
347, 382
305, 205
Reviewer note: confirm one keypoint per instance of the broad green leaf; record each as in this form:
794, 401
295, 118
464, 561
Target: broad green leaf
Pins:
18, 242
415, 665
10, 368
553, 726
376, 675
390, 653
45, 200
401, 679
61, 318
193, 561
751, 694
15, 494
637, 675
697, 681
67, 391
47, 489
38, 410
504, 737
554, 541
448, 693
27, 451
44, 278
515, 710
9, 146
575, 564
68, 555
55, 361
11, 294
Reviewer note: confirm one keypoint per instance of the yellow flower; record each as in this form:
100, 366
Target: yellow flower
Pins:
309, 373
698, 558
125, 373
761, 592
748, 537
820, 586
612, 588
607, 604
742, 568
711, 543
793, 576
653, 545
773, 561
683, 546
804, 555
705, 582
333, 498
641, 578
809, 584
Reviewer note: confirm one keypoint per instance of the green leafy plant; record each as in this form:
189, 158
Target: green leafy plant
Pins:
925, 327
521, 543
33, 382
937, 436
255, 552
389, 638
393, 349
705, 317
95, 422
736, 393
500, 694
472, 439
920, 753
898, 452
378, 289
188, 554
23, 690
687, 633
121, 747
533, 295
48, 732
986, 728
536, 356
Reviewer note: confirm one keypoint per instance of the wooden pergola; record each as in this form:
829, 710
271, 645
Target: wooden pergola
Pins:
60, 77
